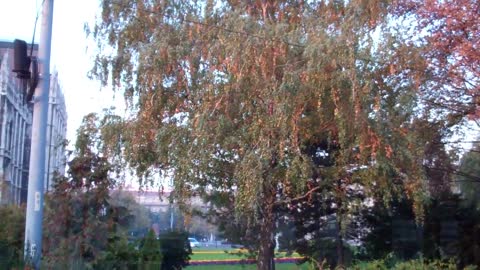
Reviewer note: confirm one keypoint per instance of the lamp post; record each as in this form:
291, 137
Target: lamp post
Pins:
33, 224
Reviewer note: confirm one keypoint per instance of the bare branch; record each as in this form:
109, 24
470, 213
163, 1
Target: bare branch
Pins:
299, 197
471, 178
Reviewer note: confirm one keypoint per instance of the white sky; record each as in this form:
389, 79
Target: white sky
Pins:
71, 56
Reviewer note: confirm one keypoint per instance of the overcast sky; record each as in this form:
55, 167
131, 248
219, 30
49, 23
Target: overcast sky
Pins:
71, 55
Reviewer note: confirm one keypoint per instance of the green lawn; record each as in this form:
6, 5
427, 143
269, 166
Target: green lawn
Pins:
217, 255
278, 266
204, 254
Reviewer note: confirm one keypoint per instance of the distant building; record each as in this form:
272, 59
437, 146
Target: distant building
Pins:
152, 200
56, 133
164, 214
157, 202
15, 131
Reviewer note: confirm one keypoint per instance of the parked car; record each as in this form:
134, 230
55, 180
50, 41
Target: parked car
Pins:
193, 242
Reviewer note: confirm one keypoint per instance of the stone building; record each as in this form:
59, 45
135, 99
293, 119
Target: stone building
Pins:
15, 131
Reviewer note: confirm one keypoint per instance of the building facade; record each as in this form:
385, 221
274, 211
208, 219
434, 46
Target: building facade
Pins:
56, 133
15, 131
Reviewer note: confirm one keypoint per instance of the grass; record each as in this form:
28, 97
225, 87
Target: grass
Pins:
216, 256
234, 254
278, 266
199, 254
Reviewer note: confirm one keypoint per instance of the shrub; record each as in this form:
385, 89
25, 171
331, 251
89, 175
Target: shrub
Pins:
418, 264
120, 255
12, 228
150, 252
176, 250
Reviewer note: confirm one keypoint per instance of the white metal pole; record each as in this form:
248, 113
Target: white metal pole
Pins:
33, 225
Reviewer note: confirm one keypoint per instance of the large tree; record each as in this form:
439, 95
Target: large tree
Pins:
451, 34
232, 95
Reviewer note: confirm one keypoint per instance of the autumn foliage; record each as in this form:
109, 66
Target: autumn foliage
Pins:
243, 98
450, 32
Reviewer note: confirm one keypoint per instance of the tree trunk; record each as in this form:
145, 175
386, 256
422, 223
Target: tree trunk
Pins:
339, 240
266, 252
476, 255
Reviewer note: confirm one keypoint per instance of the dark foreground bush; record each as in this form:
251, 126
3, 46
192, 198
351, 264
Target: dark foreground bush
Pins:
176, 250
418, 264
12, 226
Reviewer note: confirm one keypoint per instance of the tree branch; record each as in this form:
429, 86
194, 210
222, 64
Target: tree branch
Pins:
299, 197
471, 178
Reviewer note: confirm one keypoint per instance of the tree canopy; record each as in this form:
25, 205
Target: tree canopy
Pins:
451, 37
242, 98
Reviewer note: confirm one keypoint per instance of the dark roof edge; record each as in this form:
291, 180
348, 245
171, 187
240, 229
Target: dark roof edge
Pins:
9, 44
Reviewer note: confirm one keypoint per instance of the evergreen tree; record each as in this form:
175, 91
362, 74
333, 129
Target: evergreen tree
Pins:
79, 220
150, 252
176, 250
468, 177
